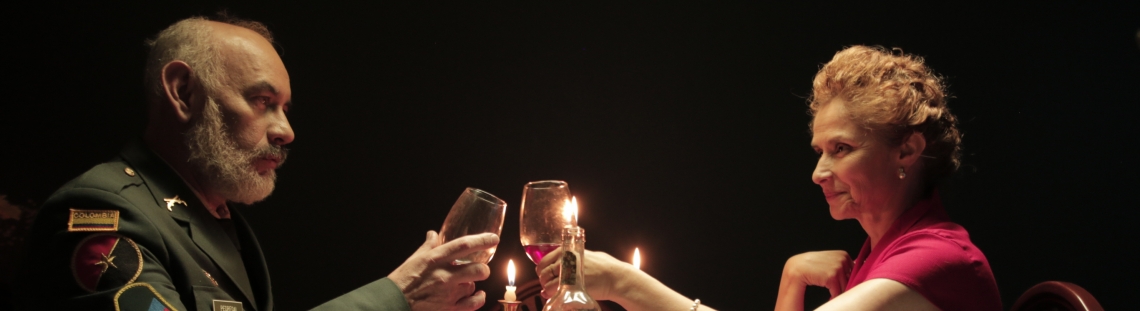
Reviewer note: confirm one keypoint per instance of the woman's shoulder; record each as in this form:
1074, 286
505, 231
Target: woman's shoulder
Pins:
943, 237
943, 264
935, 249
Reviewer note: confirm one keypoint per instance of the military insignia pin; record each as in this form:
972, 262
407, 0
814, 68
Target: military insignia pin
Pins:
171, 201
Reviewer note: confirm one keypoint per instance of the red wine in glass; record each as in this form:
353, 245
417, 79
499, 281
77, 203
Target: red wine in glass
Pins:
542, 217
537, 251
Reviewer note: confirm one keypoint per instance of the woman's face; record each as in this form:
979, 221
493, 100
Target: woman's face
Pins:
857, 171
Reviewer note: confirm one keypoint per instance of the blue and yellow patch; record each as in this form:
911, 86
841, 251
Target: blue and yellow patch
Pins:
140, 297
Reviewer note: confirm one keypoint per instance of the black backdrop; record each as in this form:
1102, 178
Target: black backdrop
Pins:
681, 129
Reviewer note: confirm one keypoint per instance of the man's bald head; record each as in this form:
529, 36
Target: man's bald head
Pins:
194, 42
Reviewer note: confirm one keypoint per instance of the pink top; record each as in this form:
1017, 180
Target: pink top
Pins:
933, 256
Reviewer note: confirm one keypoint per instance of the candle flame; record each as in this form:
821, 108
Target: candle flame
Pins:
636, 259
570, 211
511, 271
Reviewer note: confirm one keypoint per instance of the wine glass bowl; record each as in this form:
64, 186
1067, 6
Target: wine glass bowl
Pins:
541, 218
476, 211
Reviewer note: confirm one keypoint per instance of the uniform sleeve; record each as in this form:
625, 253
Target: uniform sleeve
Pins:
379, 295
90, 249
935, 265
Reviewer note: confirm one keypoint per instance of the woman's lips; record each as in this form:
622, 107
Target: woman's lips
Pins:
832, 194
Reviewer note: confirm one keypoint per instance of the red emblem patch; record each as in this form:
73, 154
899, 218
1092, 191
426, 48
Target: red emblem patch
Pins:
106, 260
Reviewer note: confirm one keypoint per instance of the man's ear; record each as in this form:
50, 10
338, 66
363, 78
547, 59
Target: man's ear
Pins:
178, 89
912, 148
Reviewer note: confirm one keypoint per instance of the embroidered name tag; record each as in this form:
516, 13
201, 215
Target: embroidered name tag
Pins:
226, 305
93, 220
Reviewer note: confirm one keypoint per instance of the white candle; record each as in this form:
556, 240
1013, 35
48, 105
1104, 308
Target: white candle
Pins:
510, 295
636, 259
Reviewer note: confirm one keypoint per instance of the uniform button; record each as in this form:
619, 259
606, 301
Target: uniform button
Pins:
129, 172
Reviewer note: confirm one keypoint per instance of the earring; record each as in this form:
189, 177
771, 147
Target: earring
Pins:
902, 173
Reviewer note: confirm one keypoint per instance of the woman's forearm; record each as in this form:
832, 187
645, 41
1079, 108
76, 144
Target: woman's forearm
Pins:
640, 292
791, 295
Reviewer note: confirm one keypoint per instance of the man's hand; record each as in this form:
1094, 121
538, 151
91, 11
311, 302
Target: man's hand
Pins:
430, 282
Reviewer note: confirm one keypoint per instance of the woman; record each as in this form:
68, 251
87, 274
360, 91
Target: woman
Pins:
885, 139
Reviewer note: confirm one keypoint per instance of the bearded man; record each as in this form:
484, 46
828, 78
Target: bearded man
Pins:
151, 229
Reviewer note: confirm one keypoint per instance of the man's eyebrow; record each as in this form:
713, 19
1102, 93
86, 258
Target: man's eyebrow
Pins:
260, 87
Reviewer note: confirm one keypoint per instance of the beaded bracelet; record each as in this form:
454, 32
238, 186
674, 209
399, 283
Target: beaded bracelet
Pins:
696, 304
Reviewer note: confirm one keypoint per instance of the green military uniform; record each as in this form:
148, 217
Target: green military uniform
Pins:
130, 235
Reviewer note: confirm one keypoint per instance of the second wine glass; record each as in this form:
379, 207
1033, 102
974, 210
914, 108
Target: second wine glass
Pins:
541, 218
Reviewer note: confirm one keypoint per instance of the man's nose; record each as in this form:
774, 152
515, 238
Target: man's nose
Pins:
280, 132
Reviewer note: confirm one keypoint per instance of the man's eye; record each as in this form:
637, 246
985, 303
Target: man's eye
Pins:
842, 148
260, 100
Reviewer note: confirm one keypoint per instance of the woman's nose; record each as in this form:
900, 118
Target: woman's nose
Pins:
822, 171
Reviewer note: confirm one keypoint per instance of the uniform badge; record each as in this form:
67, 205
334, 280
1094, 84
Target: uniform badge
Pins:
106, 260
93, 220
227, 305
171, 201
141, 297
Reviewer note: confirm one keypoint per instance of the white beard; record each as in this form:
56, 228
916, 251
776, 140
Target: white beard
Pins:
222, 166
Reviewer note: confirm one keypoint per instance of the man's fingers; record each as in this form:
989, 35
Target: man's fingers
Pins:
472, 302
431, 241
467, 273
464, 289
463, 246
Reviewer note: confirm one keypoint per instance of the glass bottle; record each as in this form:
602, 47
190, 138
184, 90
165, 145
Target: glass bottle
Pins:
572, 294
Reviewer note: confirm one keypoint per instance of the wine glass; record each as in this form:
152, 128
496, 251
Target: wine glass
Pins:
476, 211
541, 218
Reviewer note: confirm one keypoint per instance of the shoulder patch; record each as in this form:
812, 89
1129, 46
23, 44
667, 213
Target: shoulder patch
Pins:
106, 260
81, 220
141, 297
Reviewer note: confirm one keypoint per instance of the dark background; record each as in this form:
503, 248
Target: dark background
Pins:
680, 128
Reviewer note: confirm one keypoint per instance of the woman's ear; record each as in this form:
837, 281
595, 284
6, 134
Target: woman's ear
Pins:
178, 88
912, 148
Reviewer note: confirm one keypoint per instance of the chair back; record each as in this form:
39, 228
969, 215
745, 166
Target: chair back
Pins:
1056, 296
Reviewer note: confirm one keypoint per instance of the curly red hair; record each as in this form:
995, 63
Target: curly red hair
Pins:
893, 95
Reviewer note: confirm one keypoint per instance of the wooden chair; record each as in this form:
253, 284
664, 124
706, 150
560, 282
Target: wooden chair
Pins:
530, 293
1056, 296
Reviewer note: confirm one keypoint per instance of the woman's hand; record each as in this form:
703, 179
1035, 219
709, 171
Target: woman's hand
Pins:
829, 269
614, 280
605, 273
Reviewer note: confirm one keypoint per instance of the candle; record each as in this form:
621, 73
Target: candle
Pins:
510, 295
570, 212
